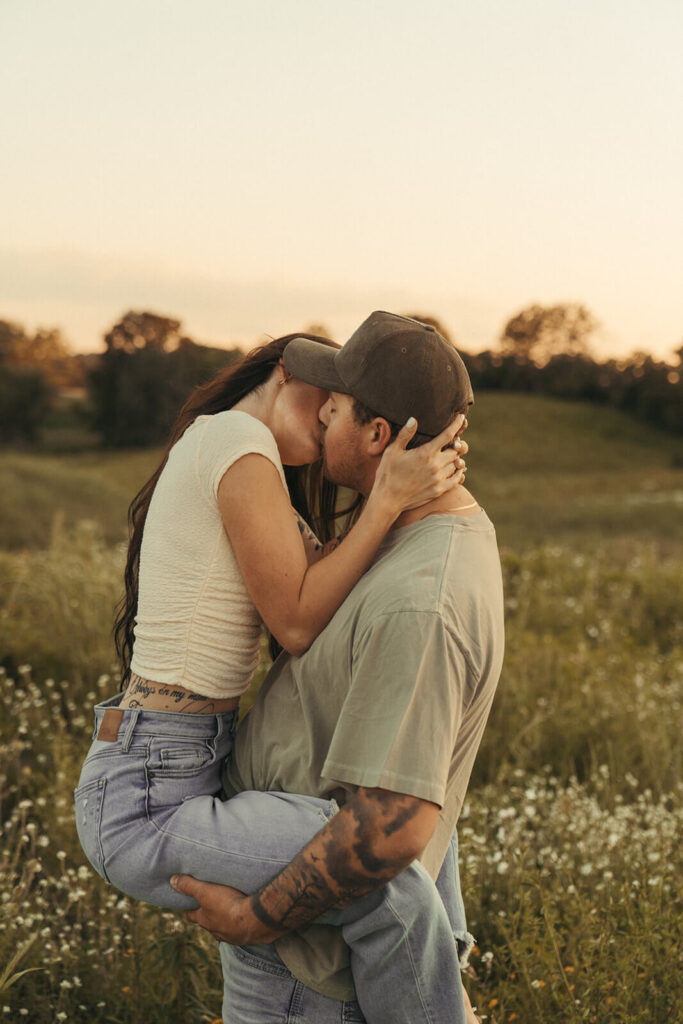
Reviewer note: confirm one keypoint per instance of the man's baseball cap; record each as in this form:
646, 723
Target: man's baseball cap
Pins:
396, 366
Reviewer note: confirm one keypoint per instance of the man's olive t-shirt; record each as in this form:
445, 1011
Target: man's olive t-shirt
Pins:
394, 693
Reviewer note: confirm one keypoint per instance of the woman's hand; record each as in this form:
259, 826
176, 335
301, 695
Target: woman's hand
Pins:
408, 479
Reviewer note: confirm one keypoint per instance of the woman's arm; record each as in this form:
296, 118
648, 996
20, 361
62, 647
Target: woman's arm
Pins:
297, 600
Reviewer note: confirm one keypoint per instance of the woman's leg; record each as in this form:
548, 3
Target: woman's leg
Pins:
146, 808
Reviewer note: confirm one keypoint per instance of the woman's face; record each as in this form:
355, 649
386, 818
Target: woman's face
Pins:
298, 429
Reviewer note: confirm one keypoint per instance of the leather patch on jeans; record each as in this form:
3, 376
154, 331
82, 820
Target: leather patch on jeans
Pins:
109, 727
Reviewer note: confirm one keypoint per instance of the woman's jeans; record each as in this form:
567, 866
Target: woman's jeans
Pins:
148, 807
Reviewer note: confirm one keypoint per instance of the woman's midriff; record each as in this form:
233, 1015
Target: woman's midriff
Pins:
146, 693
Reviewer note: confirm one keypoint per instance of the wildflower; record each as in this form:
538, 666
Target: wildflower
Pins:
538, 983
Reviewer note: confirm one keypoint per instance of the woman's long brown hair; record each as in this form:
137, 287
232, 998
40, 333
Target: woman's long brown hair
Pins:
312, 496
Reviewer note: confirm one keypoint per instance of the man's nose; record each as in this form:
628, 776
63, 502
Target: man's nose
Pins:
323, 413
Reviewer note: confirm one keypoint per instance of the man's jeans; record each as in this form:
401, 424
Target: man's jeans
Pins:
146, 808
259, 989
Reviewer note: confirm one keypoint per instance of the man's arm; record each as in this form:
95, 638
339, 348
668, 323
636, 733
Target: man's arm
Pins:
373, 837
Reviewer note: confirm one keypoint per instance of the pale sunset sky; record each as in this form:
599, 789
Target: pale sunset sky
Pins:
253, 166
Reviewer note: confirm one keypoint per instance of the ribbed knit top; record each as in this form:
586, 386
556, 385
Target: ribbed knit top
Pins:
196, 624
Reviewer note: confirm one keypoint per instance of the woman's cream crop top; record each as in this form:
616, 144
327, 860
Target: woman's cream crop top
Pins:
196, 625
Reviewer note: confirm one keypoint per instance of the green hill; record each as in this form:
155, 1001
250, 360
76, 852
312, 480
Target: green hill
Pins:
543, 468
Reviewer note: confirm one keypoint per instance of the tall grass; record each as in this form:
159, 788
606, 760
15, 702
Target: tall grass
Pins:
571, 835
570, 839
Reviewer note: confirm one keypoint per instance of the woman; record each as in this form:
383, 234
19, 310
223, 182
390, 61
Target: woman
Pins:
214, 550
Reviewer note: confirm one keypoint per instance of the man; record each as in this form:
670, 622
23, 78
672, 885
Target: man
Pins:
386, 710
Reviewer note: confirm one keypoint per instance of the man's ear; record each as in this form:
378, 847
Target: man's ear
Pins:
379, 436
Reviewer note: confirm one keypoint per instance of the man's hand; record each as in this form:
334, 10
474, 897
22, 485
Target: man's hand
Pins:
224, 912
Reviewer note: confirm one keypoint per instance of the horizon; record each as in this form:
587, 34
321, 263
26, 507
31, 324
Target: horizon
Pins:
254, 170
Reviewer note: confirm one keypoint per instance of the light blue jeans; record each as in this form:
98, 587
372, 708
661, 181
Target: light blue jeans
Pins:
259, 989
148, 806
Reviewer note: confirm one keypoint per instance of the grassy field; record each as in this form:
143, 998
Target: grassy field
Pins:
571, 836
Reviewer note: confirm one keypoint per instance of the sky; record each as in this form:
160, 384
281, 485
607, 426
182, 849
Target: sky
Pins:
251, 167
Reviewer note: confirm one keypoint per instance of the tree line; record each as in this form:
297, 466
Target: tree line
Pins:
149, 366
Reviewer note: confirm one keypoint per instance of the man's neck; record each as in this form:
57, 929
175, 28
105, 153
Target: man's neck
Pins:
459, 502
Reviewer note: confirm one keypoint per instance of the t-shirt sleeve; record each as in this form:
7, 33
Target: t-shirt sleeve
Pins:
226, 437
399, 722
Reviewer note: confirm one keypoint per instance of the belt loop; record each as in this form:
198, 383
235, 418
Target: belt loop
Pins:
128, 735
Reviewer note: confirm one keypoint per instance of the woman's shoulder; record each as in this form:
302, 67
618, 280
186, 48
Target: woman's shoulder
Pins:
231, 426
224, 437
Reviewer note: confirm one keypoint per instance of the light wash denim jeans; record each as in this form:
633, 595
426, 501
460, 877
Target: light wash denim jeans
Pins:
148, 806
259, 989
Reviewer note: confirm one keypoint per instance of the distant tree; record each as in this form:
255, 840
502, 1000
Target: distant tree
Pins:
26, 391
46, 350
13, 338
144, 376
432, 321
25, 402
538, 333
137, 331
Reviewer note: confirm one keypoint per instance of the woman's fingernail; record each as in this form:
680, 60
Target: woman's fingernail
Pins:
410, 423
457, 445
174, 881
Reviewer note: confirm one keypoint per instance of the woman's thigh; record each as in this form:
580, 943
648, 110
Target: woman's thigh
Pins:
242, 842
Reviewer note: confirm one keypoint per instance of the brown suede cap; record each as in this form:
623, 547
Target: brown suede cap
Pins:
396, 366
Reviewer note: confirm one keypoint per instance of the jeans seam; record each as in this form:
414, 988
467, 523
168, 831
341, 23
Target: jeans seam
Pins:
418, 986
258, 859
99, 786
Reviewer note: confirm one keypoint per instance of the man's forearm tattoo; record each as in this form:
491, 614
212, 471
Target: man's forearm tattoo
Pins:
339, 865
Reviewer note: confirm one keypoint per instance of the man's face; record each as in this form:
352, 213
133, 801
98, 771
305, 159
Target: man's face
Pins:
343, 458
